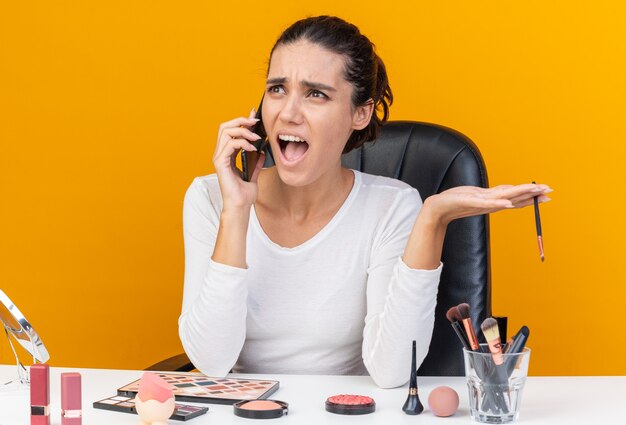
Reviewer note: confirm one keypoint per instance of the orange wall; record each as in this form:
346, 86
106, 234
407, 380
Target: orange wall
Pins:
108, 109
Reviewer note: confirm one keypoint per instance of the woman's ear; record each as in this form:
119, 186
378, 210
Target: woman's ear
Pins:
362, 115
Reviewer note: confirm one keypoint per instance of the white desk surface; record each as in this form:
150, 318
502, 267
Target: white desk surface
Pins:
546, 400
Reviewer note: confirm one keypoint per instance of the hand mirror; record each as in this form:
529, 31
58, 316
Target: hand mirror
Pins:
16, 325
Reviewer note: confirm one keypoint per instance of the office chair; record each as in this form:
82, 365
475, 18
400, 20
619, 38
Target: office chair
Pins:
430, 158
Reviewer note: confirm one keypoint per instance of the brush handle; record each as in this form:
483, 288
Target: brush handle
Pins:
471, 335
496, 378
461, 334
519, 342
537, 216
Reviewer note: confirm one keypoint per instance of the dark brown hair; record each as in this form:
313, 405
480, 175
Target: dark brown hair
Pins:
364, 69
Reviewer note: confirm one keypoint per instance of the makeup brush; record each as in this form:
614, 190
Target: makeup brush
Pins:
498, 375
464, 312
538, 226
519, 341
412, 405
492, 335
454, 317
516, 347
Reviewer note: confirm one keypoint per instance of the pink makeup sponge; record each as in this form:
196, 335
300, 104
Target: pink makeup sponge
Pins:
443, 401
153, 387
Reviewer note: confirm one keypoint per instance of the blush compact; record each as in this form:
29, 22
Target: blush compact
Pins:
260, 409
348, 404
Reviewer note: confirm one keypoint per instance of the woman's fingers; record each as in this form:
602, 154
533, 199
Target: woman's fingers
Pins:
226, 156
466, 201
225, 147
234, 123
235, 145
239, 132
236, 132
529, 202
233, 137
512, 192
517, 198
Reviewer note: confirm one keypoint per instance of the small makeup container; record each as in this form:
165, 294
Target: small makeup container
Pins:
261, 409
348, 404
40, 394
71, 408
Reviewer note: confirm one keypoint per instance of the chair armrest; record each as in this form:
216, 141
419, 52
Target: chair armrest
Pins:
177, 363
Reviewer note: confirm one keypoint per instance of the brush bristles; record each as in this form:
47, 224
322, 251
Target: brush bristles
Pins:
464, 310
453, 315
490, 329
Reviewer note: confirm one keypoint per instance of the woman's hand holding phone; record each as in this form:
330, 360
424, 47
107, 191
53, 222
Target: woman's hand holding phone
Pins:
234, 136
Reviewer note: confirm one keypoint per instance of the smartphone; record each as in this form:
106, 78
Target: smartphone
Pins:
250, 159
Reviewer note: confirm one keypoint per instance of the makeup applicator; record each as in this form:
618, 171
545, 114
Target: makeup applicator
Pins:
454, 317
492, 335
516, 347
498, 373
155, 400
538, 227
464, 312
412, 405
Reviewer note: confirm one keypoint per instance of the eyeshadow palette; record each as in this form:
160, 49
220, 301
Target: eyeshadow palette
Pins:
125, 404
198, 388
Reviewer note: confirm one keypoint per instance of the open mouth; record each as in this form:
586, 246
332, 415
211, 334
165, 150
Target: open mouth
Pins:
292, 147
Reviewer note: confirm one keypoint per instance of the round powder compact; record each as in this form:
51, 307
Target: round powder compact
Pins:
348, 404
261, 409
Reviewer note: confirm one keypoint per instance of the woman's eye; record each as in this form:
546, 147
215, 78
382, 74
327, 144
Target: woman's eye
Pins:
276, 89
317, 93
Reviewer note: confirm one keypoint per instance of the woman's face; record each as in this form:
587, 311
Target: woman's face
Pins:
308, 113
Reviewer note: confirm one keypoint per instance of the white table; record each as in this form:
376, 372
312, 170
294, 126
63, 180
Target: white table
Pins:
546, 400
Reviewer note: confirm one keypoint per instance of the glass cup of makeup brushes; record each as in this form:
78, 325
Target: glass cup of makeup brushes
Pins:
495, 384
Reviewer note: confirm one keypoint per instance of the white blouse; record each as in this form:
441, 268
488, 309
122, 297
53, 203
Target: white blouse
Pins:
343, 302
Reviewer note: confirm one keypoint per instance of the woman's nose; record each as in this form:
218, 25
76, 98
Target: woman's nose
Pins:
291, 110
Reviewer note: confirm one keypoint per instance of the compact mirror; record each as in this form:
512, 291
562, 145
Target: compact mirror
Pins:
16, 325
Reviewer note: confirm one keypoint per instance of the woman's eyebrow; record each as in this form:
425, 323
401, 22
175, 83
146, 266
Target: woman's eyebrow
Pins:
317, 86
277, 80
308, 84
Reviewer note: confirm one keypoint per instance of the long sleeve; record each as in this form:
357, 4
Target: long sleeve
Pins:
212, 325
400, 300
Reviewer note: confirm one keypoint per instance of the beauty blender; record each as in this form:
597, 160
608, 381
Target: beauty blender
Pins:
153, 387
443, 401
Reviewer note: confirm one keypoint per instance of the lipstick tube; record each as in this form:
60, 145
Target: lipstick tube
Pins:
71, 408
40, 394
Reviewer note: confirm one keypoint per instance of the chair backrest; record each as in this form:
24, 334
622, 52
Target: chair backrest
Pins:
433, 158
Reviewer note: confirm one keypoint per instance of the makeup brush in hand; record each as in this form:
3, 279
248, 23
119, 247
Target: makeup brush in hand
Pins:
538, 227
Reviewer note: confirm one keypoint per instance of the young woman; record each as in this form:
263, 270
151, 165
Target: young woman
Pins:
312, 268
